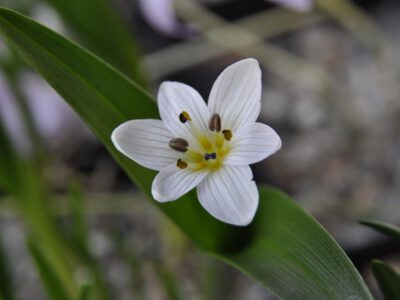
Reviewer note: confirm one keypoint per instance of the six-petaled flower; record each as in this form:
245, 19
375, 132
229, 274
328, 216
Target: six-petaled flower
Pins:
210, 147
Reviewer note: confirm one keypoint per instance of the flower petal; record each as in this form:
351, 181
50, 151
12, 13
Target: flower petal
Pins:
252, 144
175, 98
236, 94
230, 195
299, 5
172, 182
146, 142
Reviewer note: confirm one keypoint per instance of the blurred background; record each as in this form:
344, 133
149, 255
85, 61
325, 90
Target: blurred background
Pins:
331, 76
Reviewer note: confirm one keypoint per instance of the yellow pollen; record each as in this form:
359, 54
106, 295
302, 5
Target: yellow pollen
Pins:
184, 116
227, 134
181, 164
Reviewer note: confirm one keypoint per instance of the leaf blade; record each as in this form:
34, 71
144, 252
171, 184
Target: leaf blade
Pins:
388, 279
383, 227
97, 25
48, 274
296, 252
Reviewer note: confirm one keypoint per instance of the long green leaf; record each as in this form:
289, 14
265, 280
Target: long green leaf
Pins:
285, 249
387, 278
385, 228
294, 256
48, 274
9, 163
84, 292
6, 286
99, 28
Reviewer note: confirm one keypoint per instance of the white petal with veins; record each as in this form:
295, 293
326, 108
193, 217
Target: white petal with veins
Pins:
146, 142
230, 195
253, 143
236, 94
172, 183
175, 98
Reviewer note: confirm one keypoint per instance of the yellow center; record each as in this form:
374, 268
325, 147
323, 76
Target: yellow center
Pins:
211, 155
213, 146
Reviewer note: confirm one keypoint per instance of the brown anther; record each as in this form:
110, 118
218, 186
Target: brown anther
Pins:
227, 134
184, 117
181, 164
178, 144
215, 123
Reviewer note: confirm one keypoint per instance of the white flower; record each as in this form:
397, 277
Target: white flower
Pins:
299, 5
208, 147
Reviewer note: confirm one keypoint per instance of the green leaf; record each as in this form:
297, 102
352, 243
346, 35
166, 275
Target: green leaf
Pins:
100, 29
85, 292
170, 284
79, 232
387, 278
6, 287
50, 279
294, 256
385, 228
9, 163
284, 249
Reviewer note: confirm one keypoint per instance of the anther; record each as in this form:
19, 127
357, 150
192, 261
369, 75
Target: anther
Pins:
227, 134
181, 164
184, 117
215, 123
178, 144
208, 156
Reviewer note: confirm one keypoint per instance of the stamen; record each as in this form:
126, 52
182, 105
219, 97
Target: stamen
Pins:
208, 156
215, 123
184, 117
181, 164
178, 144
227, 134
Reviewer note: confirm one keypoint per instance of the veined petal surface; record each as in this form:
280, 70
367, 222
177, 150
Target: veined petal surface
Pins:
146, 142
230, 195
172, 182
175, 98
252, 144
236, 94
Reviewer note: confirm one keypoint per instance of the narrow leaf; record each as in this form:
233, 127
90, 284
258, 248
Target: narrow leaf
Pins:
99, 28
284, 249
385, 228
84, 292
79, 231
294, 256
6, 288
9, 163
387, 278
47, 273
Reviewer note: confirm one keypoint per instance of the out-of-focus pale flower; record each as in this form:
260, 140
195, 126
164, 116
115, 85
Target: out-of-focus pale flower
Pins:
300, 5
54, 119
161, 16
208, 147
